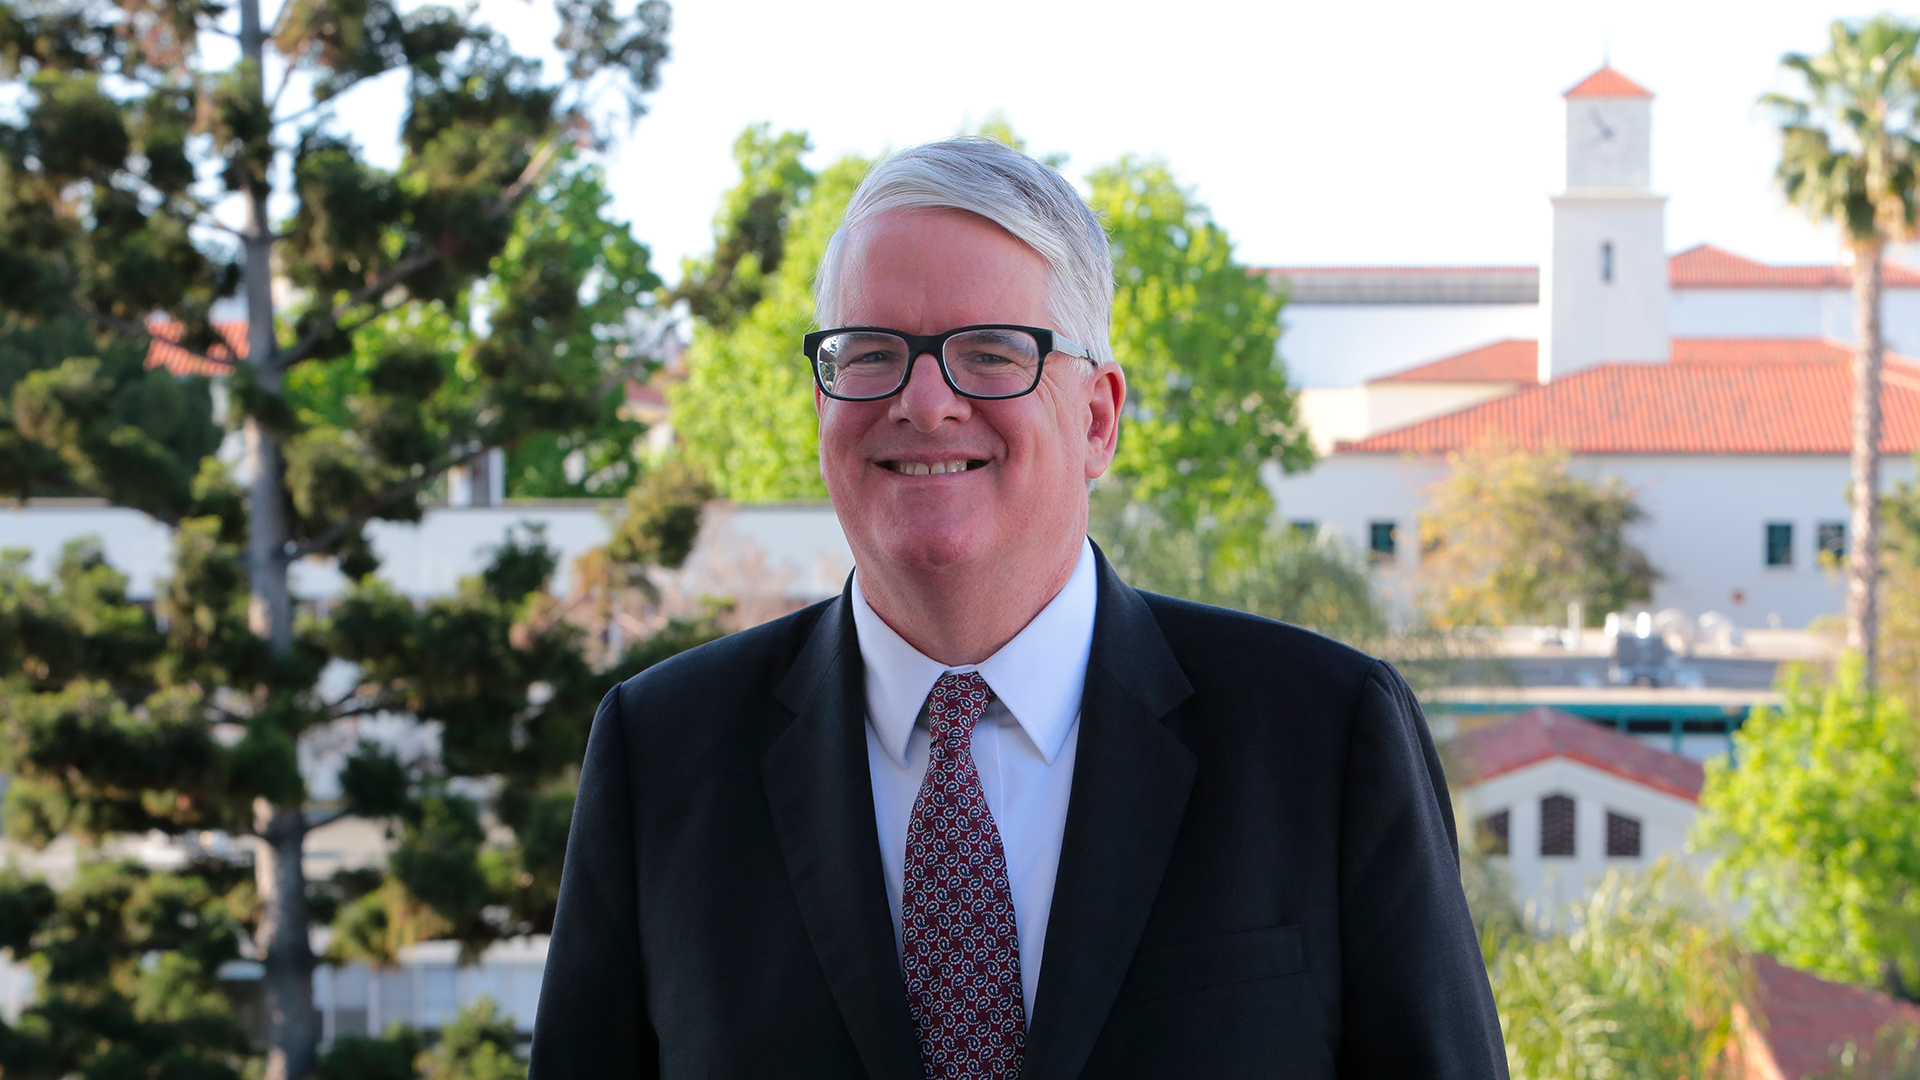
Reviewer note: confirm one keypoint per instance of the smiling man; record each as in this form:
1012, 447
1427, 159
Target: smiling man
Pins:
990, 812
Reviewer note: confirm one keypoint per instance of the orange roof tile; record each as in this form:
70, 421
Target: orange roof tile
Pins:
1704, 266
1722, 396
1513, 360
1541, 733
1809, 1019
1608, 83
181, 362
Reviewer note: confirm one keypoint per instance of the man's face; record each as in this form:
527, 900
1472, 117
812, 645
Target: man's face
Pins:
1015, 471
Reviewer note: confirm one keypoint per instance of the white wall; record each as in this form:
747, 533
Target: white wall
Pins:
429, 987
798, 545
1793, 313
1706, 527
1550, 884
1327, 345
1331, 414
1613, 316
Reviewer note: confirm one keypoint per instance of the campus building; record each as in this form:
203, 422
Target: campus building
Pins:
1717, 388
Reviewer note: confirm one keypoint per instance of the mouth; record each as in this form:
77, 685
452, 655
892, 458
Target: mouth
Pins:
933, 468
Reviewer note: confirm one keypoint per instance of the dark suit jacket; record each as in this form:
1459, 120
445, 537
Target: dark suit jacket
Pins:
1258, 876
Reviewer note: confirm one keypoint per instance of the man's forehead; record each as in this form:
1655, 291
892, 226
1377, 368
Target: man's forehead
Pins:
936, 258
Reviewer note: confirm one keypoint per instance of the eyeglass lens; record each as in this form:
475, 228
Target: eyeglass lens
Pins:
984, 363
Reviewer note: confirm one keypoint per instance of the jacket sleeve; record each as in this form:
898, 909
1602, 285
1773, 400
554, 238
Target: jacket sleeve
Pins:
593, 1008
1415, 1001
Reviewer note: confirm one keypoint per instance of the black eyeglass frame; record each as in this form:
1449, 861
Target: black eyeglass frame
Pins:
919, 345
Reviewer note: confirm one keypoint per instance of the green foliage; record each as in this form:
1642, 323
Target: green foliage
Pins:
1900, 594
745, 414
1514, 537
1208, 406
478, 1045
126, 963
1813, 831
366, 1057
1642, 987
1278, 574
1848, 148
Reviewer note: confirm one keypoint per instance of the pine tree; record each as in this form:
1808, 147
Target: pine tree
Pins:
431, 313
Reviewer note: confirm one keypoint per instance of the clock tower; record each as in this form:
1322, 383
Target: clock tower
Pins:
1605, 284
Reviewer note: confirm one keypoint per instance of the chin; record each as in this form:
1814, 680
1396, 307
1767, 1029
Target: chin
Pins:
926, 546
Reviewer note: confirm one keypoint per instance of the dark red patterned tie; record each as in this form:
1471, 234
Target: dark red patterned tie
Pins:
962, 950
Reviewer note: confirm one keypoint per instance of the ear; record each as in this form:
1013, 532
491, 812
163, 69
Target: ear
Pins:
1105, 396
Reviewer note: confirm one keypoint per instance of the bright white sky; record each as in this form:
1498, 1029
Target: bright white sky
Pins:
1378, 133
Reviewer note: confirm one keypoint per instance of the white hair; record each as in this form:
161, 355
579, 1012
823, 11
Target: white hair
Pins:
1025, 197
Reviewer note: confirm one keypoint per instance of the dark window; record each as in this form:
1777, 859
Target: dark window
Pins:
1493, 834
1381, 540
1556, 825
1305, 528
1779, 543
1606, 261
1832, 536
1623, 836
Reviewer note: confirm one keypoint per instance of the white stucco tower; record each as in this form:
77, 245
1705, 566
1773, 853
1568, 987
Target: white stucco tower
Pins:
1605, 281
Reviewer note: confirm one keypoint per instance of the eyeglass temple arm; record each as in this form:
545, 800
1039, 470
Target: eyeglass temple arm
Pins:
1071, 348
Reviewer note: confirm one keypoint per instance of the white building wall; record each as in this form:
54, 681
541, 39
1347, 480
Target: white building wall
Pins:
1550, 884
1328, 345
799, 546
1607, 282
1705, 528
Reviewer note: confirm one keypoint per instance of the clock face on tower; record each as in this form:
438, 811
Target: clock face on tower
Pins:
1600, 134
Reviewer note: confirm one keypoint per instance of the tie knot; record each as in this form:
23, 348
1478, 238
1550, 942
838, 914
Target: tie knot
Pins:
956, 704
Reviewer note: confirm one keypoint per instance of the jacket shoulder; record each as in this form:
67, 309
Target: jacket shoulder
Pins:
742, 664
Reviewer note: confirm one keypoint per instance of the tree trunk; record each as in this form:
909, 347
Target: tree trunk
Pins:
1863, 546
293, 1027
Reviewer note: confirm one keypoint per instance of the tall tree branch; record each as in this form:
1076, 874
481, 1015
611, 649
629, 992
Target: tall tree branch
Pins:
380, 500
379, 286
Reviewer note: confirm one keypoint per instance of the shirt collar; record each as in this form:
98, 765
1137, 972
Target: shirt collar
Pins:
1038, 676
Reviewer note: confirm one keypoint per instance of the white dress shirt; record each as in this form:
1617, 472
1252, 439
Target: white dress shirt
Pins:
1023, 746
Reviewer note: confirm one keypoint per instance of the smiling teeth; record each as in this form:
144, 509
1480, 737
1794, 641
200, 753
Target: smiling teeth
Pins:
915, 468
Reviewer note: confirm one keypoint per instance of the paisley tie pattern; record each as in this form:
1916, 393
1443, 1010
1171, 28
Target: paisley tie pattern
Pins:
961, 947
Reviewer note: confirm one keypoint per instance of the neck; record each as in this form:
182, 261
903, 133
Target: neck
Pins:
963, 614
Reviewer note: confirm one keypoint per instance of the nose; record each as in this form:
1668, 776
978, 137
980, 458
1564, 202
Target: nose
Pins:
927, 401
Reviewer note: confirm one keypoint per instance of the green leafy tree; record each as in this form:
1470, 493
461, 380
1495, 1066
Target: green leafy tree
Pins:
745, 414
1813, 831
1643, 987
1847, 157
1208, 405
136, 177
126, 963
1513, 536
1899, 621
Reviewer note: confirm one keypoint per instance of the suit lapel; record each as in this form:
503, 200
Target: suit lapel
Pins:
822, 801
1131, 779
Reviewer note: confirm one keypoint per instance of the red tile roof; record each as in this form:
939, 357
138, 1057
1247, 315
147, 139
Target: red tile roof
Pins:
1808, 1020
181, 362
1707, 267
1702, 266
1541, 733
1608, 83
1510, 361
1721, 396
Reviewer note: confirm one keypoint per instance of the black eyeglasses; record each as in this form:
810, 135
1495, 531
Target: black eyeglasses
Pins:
989, 362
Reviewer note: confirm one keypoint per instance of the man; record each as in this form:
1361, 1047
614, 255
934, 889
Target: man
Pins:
991, 812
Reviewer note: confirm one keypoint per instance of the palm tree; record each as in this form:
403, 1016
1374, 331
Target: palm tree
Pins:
1847, 157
